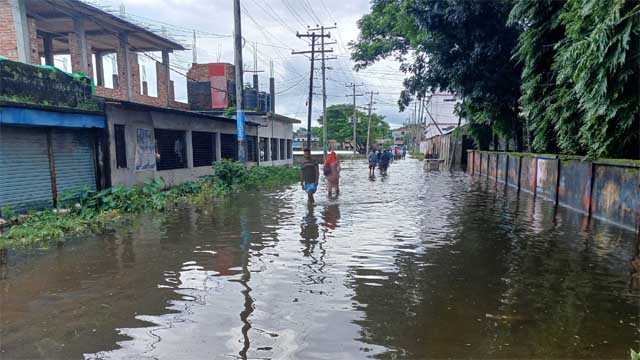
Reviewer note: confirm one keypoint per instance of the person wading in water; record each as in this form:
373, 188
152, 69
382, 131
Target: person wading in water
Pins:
309, 175
373, 161
332, 173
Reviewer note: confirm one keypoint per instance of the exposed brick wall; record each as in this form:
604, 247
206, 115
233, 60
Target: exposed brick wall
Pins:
161, 75
230, 71
9, 49
122, 76
179, 105
33, 41
8, 43
75, 56
110, 93
198, 72
135, 75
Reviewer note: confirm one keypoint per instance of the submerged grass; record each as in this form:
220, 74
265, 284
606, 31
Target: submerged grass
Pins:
85, 210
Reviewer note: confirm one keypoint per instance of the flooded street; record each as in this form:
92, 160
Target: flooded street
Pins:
413, 265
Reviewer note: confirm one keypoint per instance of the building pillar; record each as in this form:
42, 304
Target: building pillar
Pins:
189, 148
99, 69
124, 66
21, 30
172, 91
166, 84
47, 42
218, 147
272, 91
134, 67
78, 48
34, 50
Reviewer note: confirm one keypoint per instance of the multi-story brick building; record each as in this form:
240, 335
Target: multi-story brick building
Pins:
53, 140
34, 31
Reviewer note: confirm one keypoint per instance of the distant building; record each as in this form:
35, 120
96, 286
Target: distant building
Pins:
300, 136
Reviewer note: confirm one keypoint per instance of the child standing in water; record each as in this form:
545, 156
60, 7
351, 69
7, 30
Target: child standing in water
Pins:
332, 173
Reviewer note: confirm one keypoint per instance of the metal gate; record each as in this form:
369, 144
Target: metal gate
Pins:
74, 159
229, 146
25, 177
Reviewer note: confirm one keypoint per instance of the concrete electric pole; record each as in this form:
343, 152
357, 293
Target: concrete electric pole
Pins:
355, 117
237, 44
324, 86
371, 93
313, 52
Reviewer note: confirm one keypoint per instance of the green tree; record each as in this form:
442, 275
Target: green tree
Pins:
599, 61
542, 29
340, 126
460, 46
580, 79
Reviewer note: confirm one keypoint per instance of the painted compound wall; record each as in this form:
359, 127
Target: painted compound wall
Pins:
605, 190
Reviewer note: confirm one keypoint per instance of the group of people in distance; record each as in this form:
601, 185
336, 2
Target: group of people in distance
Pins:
310, 174
382, 158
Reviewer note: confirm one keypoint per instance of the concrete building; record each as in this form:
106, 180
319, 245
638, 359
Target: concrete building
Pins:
300, 136
177, 146
51, 141
36, 32
97, 129
211, 89
275, 136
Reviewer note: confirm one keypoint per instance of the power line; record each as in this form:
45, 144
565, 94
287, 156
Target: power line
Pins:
295, 14
313, 51
291, 87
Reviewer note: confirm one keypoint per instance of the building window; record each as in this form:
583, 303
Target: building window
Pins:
204, 148
263, 148
274, 149
121, 146
282, 149
171, 150
289, 150
229, 146
252, 148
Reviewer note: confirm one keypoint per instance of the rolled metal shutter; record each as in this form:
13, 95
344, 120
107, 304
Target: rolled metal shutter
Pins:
25, 177
73, 155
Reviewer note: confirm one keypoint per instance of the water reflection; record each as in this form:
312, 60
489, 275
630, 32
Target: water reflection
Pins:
417, 265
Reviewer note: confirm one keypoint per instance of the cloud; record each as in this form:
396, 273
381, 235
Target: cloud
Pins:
272, 24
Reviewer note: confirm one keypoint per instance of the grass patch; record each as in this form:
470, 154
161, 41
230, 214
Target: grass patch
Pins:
91, 211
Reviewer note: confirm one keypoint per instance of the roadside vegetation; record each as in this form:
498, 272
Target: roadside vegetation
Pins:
546, 76
86, 210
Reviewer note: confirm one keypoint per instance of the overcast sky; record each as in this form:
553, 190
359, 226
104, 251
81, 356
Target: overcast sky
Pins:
272, 24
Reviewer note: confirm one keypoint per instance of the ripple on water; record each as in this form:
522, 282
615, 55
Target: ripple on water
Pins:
413, 265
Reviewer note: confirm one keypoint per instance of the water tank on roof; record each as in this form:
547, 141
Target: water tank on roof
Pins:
262, 101
250, 99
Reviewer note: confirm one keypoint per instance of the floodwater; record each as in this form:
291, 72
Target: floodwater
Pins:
414, 265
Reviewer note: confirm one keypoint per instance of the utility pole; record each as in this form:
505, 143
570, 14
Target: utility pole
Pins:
371, 93
324, 86
195, 51
237, 42
313, 51
355, 117
415, 123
